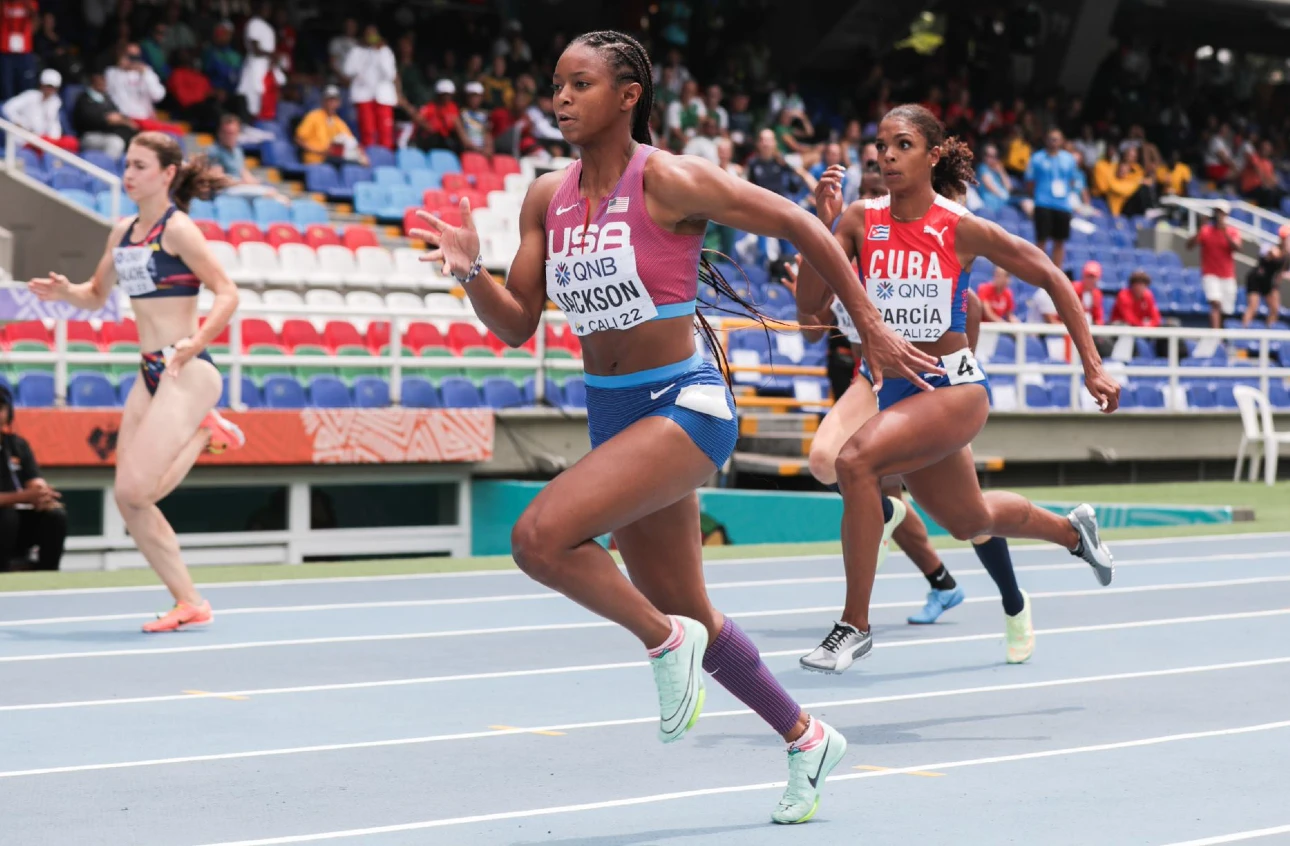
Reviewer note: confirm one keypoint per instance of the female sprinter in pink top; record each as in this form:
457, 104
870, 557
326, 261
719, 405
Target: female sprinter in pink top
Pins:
614, 241
160, 259
916, 248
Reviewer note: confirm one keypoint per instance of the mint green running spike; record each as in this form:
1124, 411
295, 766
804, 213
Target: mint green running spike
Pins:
678, 674
898, 511
806, 774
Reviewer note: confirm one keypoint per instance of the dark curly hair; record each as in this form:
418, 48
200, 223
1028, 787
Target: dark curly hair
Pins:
953, 172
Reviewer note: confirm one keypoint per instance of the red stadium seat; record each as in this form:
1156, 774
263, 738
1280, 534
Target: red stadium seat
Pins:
258, 331
504, 165
462, 335
378, 335
124, 331
454, 182
82, 330
485, 182
359, 236
422, 335
450, 215
411, 221
211, 230
28, 330
283, 233
475, 163
297, 332
243, 232
433, 198
338, 333
320, 234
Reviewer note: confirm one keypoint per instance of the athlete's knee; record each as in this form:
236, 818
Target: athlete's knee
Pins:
535, 548
968, 526
821, 462
856, 462
133, 492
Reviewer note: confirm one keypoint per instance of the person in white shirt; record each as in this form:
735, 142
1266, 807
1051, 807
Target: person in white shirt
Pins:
260, 79
704, 145
36, 110
338, 48
372, 71
135, 89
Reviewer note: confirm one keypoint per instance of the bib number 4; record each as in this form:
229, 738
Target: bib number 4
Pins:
962, 368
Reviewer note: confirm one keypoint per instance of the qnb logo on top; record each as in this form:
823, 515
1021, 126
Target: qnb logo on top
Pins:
562, 275
885, 290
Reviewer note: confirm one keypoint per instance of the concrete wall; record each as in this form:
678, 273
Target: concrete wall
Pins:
49, 233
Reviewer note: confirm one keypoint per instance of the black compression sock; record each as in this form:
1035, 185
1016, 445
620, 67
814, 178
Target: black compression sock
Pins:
887, 510
941, 579
998, 563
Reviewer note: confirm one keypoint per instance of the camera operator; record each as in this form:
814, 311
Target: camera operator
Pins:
31, 514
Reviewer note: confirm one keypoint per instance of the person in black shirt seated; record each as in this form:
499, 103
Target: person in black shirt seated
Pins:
30, 512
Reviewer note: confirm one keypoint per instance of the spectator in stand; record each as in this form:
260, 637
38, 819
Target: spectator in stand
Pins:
179, 35
792, 129
960, 116
227, 155
196, 100
372, 71
1054, 178
994, 183
259, 82
1090, 147
1265, 279
1136, 305
863, 168
671, 75
340, 45
1259, 176
31, 514
37, 111
541, 117
511, 131
726, 158
221, 61
135, 88
284, 57
1019, 150
1090, 295
413, 89
437, 122
473, 127
704, 144
498, 90
1218, 245
157, 57
98, 120
323, 136
50, 47
712, 103
1219, 164
1124, 189
17, 56
474, 68
683, 116
742, 120
770, 169
997, 303
831, 154
1173, 178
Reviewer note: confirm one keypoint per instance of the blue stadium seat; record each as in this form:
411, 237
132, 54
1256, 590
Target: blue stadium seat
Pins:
32, 163
423, 180
230, 210
1200, 396
1128, 396
553, 394
100, 159
35, 390
444, 161
419, 393
1278, 395
388, 176
370, 198
201, 210
380, 156
126, 208
575, 393
1224, 396
305, 211
282, 155
269, 210
410, 158
351, 175
371, 392
1150, 396
459, 392
321, 178
68, 178
398, 201
1169, 259
1035, 349
251, 395
1038, 396
90, 390
84, 199
329, 392
283, 392
1060, 393
501, 393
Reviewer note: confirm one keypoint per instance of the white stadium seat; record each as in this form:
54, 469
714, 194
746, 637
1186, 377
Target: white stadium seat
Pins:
299, 265
226, 254
259, 264
410, 271
364, 301
404, 301
375, 267
324, 298
281, 299
336, 265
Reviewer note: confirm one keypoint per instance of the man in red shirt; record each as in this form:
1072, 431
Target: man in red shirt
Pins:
997, 302
1218, 244
17, 61
1136, 305
1088, 292
437, 122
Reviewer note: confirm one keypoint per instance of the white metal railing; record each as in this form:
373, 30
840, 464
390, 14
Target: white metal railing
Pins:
14, 135
1197, 209
237, 359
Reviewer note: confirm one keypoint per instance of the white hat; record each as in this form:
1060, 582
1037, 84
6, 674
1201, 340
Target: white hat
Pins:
473, 87
51, 77
331, 91
1224, 206
445, 86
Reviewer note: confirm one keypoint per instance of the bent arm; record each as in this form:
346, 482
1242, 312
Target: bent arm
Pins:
188, 242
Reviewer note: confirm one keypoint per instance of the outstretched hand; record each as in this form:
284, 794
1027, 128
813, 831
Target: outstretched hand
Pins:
887, 352
456, 246
828, 194
49, 288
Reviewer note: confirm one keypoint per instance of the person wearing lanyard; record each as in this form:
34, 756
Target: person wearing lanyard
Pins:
1053, 175
31, 514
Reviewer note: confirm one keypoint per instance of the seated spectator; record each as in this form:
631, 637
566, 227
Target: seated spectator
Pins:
1259, 177
1090, 147
498, 91
995, 185
1124, 185
135, 89
792, 129
541, 117
179, 35
436, 124
743, 122
154, 53
1173, 178
472, 126
340, 45
31, 515
1019, 150
37, 111
1219, 164
712, 103
195, 99
1090, 295
997, 303
226, 155
221, 61
725, 158
49, 45
1136, 305
324, 136
683, 116
704, 144
99, 122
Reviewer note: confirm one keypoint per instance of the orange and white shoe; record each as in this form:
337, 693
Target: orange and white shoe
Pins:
225, 435
182, 616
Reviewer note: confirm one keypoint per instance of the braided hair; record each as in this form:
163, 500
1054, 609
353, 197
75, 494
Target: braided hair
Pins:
630, 63
953, 171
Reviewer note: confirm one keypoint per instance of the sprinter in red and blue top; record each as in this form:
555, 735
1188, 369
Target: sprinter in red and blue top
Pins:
160, 259
614, 241
916, 247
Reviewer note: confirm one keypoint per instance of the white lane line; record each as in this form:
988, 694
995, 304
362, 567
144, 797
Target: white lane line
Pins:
777, 785
621, 665
1236, 837
597, 624
1018, 548
567, 727
549, 595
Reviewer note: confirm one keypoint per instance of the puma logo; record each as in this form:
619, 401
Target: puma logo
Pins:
938, 234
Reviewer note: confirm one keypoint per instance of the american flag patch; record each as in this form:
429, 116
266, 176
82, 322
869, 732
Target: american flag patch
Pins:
617, 205
879, 232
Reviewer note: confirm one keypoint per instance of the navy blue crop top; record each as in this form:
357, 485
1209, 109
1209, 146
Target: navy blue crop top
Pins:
145, 270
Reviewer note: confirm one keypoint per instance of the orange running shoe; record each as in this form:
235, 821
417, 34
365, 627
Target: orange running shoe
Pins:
224, 434
182, 616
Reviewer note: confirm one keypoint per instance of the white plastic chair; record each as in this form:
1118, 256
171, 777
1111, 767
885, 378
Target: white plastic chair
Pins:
335, 265
299, 265
226, 254
281, 299
364, 301
516, 183
404, 301
409, 271
324, 298
1259, 435
375, 267
259, 264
